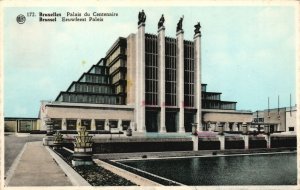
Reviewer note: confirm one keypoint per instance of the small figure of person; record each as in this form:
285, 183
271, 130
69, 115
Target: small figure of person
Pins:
161, 21
179, 24
197, 28
141, 17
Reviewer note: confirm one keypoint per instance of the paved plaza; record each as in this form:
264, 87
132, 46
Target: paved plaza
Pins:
34, 166
14, 144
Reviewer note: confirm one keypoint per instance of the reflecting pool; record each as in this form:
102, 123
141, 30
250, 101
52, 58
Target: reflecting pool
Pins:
262, 169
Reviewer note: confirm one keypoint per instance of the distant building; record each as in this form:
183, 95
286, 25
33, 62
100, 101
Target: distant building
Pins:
278, 119
21, 124
212, 100
291, 120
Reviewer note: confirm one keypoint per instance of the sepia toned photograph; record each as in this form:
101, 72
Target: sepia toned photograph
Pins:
150, 94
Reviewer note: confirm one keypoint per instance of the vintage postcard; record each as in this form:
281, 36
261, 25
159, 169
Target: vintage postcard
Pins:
150, 94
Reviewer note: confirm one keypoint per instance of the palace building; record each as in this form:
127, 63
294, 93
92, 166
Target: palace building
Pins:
149, 82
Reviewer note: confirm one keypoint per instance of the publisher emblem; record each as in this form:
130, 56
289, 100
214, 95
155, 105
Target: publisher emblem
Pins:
21, 19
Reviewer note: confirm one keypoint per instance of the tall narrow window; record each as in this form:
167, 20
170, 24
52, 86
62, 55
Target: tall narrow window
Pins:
151, 87
189, 72
170, 71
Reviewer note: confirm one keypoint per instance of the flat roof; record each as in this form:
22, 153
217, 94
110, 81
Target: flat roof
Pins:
20, 118
227, 111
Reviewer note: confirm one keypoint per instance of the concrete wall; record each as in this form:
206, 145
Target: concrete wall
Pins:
43, 114
131, 67
84, 113
273, 118
291, 120
93, 112
227, 117
10, 126
38, 124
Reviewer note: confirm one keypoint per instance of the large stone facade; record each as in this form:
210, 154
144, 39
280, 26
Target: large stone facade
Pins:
149, 82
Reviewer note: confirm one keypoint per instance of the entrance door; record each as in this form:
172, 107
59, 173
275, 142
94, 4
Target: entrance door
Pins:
188, 120
151, 121
171, 121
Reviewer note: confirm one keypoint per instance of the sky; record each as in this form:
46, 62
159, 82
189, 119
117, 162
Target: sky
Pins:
247, 52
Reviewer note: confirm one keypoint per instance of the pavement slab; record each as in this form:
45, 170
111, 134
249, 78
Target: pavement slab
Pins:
14, 143
37, 167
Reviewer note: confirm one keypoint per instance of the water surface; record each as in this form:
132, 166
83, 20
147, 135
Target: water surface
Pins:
264, 169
